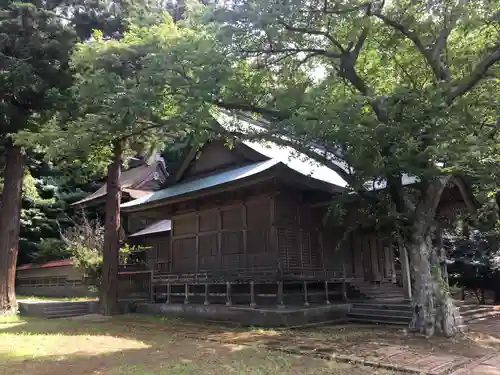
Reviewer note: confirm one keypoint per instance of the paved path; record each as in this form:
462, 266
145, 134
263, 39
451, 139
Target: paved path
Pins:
367, 352
487, 365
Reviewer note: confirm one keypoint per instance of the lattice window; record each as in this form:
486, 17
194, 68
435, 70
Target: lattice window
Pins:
232, 218
184, 225
287, 247
232, 243
209, 220
305, 251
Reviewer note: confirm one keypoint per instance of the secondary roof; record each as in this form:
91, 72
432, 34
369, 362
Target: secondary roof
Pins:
157, 227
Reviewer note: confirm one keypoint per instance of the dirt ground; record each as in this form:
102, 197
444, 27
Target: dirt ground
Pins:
127, 347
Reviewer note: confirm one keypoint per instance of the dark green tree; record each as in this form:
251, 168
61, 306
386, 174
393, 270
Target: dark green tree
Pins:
35, 74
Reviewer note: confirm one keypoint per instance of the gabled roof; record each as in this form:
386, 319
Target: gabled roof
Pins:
292, 158
132, 182
161, 226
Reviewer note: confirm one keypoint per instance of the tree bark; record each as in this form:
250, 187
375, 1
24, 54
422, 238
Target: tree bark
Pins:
433, 308
9, 226
109, 288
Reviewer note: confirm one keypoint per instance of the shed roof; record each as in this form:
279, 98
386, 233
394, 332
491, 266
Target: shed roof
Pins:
157, 227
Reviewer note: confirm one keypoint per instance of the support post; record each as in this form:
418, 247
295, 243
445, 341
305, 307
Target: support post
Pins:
228, 294
252, 294
344, 290
306, 296
327, 293
169, 293
405, 271
151, 288
206, 295
280, 301
186, 293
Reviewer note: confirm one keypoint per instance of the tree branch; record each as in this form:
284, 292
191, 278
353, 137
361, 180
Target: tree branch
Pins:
479, 71
279, 115
339, 10
434, 63
317, 51
304, 30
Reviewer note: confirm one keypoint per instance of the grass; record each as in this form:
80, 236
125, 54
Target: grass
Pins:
65, 299
126, 346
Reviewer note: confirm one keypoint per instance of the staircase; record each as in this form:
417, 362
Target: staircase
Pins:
66, 309
383, 291
473, 313
379, 312
400, 313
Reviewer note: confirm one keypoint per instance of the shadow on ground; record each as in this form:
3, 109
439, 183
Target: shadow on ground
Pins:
125, 346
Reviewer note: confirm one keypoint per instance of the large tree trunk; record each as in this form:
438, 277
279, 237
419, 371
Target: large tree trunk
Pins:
9, 226
109, 288
434, 311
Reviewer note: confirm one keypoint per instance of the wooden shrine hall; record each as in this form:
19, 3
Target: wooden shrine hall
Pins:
249, 227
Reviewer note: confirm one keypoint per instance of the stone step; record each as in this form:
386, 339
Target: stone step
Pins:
382, 312
69, 303
480, 316
67, 314
385, 295
378, 320
381, 305
476, 310
66, 308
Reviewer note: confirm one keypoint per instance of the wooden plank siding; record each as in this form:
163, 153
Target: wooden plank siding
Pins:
229, 236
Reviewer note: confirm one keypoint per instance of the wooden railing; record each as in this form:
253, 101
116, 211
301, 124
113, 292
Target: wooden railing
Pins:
257, 274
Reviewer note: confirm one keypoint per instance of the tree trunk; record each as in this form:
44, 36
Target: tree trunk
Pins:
109, 288
433, 308
9, 226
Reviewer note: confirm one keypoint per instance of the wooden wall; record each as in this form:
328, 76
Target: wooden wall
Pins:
223, 236
305, 240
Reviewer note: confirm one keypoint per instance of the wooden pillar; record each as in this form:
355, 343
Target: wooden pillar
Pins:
280, 297
405, 271
151, 288
372, 243
186, 293
274, 234
252, 294
327, 293
197, 265
169, 293
344, 284
344, 290
244, 232
306, 296
393, 265
228, 294
441, 252
219, 236
387, 263
206, 295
